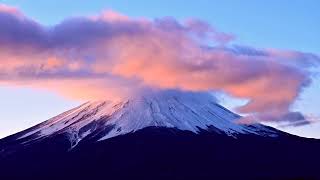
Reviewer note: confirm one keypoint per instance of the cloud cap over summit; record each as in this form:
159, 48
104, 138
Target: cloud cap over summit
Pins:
111, 55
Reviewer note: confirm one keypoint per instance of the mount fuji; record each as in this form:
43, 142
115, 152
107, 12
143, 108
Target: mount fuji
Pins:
165, 134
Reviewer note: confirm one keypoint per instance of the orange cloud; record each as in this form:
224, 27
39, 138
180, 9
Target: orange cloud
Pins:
112, 55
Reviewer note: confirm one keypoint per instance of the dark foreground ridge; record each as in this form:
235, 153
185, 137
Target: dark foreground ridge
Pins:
163, 153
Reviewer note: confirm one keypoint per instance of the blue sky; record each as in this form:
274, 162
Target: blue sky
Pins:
259, 23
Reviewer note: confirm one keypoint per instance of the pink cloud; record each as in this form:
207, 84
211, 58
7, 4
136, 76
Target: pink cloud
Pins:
111, 55
10, 10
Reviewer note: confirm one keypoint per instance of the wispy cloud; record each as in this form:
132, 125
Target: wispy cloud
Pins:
111, 55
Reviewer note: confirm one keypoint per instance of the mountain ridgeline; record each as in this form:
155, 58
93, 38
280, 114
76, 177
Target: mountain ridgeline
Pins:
157, 135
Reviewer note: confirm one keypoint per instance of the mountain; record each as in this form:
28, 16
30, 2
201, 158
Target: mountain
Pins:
156, 135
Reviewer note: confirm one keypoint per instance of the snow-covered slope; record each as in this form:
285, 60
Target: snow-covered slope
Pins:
175, 109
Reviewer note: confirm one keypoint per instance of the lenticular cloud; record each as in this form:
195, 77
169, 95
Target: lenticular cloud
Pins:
111, 55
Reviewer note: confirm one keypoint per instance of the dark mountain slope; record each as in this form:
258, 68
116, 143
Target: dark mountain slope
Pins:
166, 153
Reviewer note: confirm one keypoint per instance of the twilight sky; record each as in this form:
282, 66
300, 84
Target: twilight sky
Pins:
55, 55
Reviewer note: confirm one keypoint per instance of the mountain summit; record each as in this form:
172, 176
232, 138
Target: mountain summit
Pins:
169, 108
166, 134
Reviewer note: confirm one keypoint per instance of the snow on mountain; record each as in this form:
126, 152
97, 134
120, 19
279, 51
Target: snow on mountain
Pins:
170, 108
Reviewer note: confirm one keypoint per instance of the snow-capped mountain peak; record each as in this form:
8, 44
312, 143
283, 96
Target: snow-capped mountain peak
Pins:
174, 109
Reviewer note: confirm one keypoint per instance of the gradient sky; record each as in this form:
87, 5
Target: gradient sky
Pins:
291, 25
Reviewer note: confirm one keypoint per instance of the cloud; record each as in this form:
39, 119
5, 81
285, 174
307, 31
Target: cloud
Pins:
112, 55
288, 119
